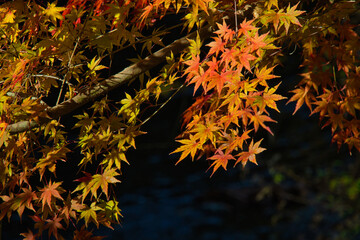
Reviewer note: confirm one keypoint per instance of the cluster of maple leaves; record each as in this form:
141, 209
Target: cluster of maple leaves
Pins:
47, 47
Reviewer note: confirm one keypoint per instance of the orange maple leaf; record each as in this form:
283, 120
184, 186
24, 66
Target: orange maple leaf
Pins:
245, 27
264, 74
221, 160
259, 119
224, 32
28, 235
194, 64
53, 225
216, 46
268, 99
190, 146
231, 117
205, 131
102, 180
228, 56
250, 155
23, 200
245, 57
258, 42
234, 141
147, 10
48, 192
301, 95
218, 80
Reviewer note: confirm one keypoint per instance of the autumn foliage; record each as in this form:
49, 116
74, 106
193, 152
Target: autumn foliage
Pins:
65, 53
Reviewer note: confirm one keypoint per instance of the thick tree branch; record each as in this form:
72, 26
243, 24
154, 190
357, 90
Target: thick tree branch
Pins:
113, 82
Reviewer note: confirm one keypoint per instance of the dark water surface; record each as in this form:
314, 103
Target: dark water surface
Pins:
163, 201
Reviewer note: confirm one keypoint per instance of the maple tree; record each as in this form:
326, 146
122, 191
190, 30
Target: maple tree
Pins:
228, 53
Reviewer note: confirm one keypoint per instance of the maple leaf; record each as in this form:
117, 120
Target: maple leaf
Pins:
219, 80
195, 45
283, 18
28, 235
5, 206
53, 225
206, 132
50, 157
23, 200
300, 95
231, 117
271, 3
233, 140
49, 192
83, 234
203, 4
259, 119
200, 79
70, 206
268, 99
216, 46
246, 27
257, 42
290, 17
274, 17
229, 56
115, 156
89, 214
264, 74
190, 146
196, 106
325, 104
353, 142
213, 66
146, 12
250, 155
54, 12
245, 57
102, 180
336, 120
224, 32
194, 64
221, 160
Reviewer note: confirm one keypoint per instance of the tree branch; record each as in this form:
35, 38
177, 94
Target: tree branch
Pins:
111, 83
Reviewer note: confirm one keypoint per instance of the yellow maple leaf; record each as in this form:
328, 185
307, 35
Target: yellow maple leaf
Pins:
9, 17
54, 12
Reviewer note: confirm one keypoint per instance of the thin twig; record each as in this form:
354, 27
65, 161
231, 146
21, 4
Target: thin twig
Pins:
49, 76
162, 105
236, 23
